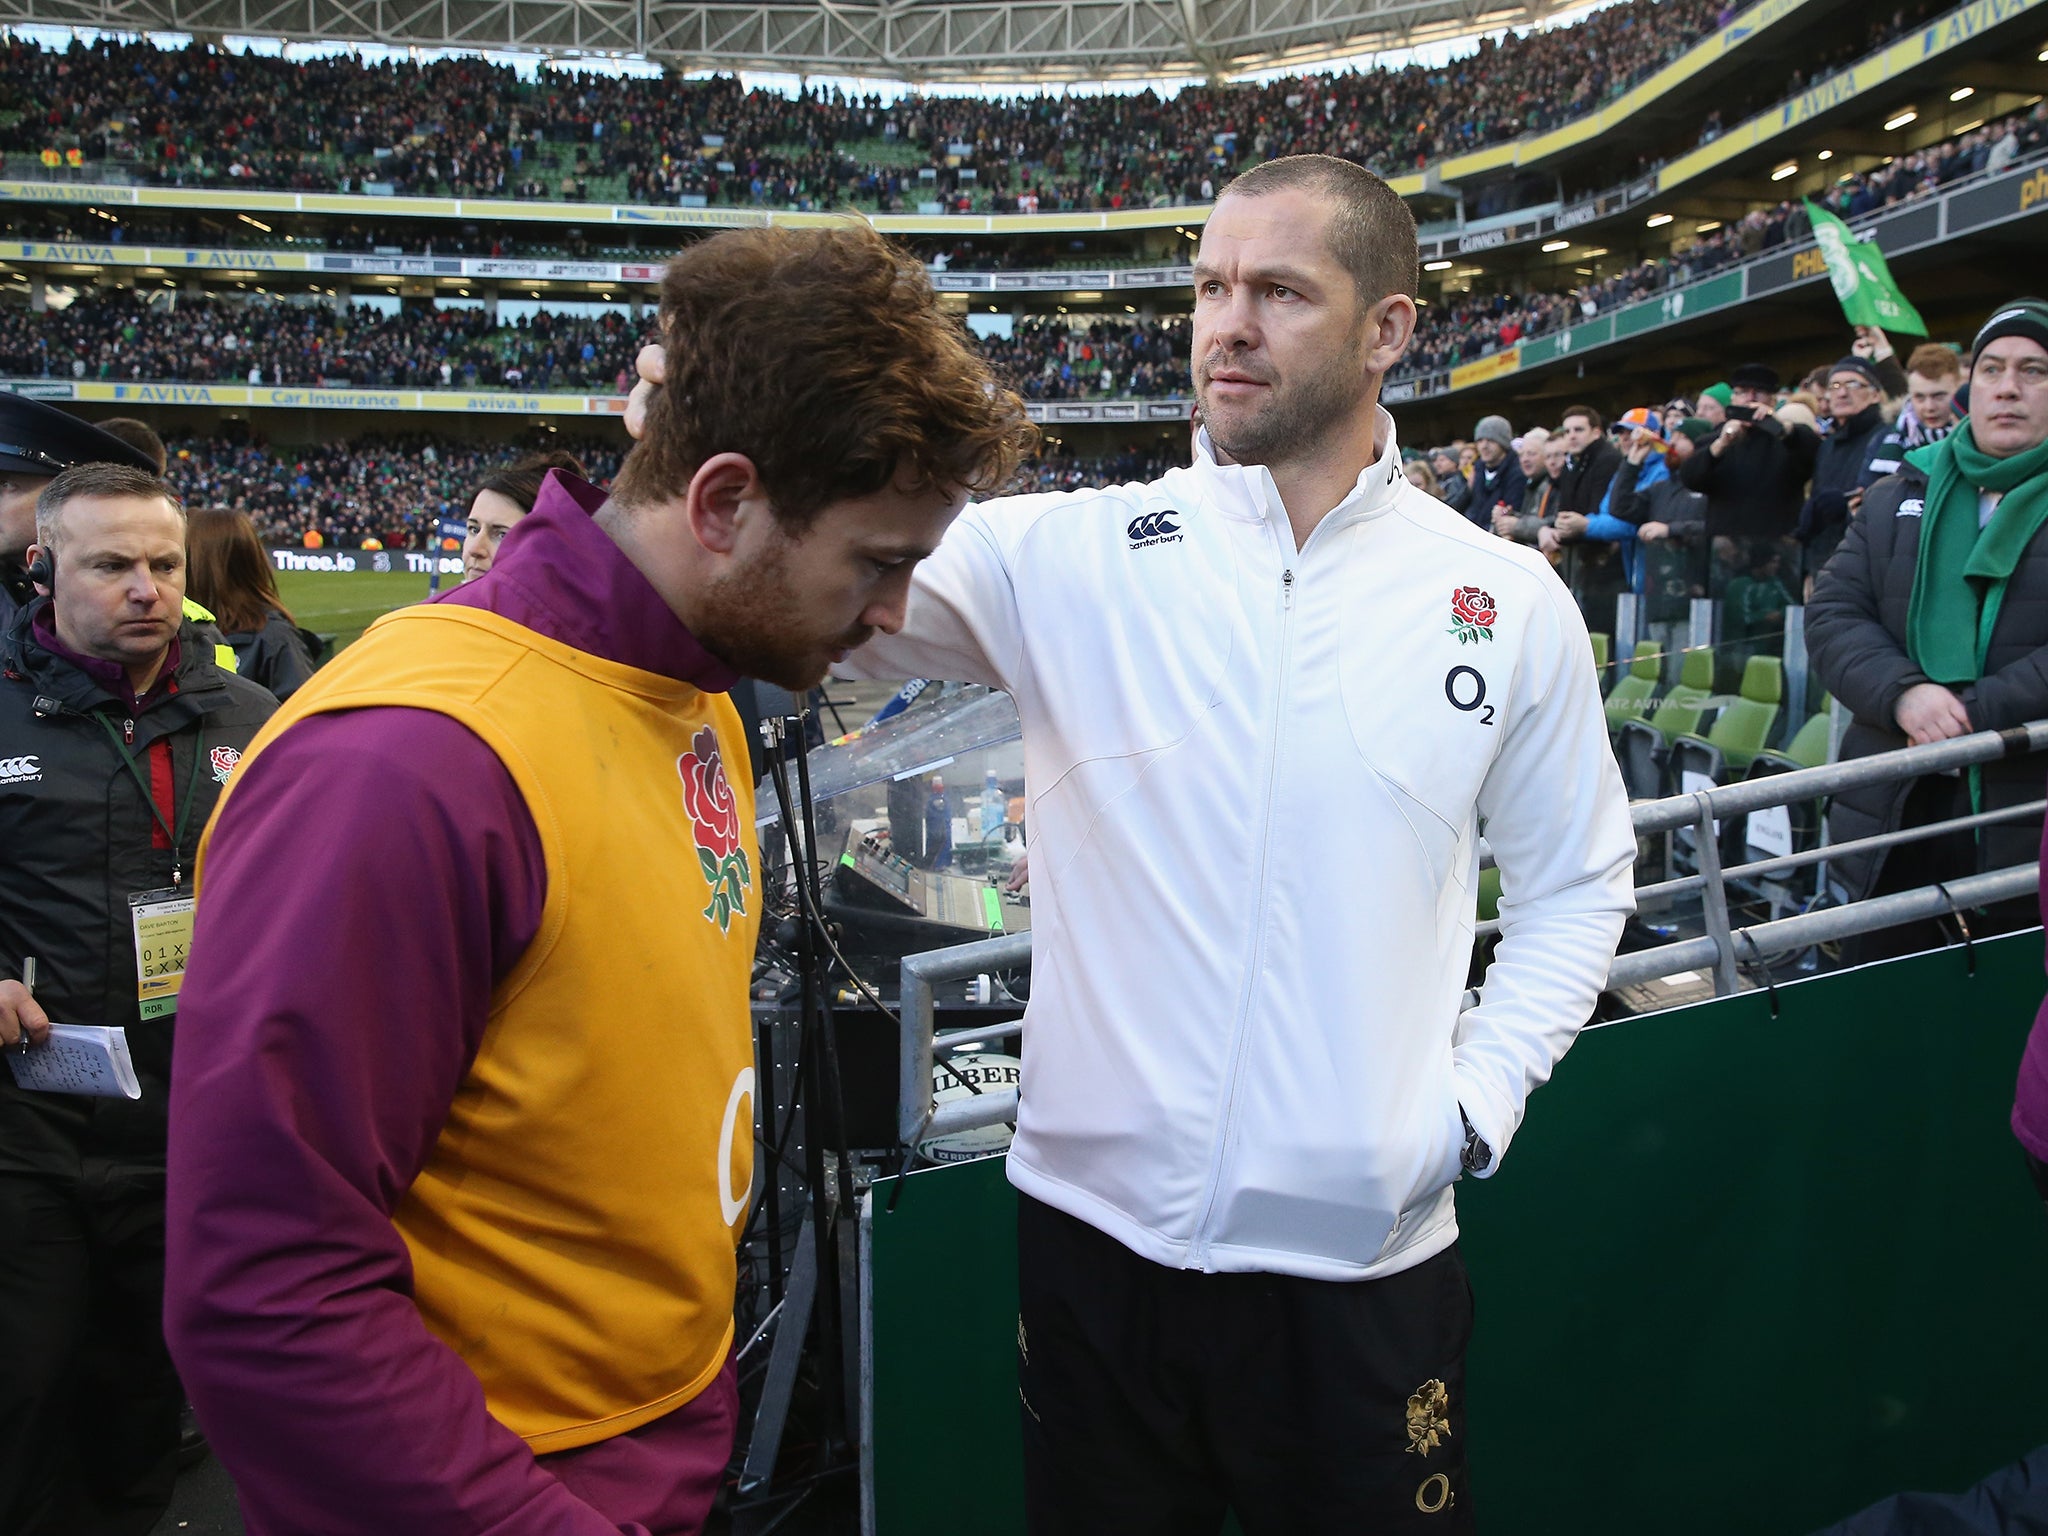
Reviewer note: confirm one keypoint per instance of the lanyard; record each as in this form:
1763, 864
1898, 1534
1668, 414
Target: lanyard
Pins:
177, 837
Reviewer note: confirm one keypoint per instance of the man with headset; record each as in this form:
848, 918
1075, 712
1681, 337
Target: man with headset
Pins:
38, 442
117, 732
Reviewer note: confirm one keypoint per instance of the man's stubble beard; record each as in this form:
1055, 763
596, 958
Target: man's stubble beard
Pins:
752, 620
1296, 418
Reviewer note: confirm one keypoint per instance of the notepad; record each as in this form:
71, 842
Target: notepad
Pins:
91, 1059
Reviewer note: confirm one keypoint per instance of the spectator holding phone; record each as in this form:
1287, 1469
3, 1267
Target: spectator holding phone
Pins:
1755, 470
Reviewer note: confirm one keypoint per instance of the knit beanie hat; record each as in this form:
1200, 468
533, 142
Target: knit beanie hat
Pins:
1720, 392
2021, 317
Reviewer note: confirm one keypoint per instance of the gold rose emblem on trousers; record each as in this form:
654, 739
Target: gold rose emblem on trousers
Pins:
1429, 1421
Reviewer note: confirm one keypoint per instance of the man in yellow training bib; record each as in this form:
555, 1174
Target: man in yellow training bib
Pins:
459, 1165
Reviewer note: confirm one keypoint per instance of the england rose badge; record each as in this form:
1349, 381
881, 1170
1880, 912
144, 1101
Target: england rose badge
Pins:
1472, 615
715, 823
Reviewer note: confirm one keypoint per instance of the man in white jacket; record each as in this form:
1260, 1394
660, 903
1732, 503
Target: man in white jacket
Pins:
1270, 702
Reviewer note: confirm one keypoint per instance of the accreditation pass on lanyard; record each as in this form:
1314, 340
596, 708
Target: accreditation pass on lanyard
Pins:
162, 921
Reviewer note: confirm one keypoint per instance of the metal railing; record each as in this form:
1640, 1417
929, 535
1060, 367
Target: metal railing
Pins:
1723, 948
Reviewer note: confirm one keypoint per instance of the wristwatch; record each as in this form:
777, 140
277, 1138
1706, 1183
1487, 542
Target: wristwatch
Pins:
1477, 1156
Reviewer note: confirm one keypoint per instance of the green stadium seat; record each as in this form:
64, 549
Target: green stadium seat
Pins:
1643, 746
1784, 829
1696, 669
1808, 747
1633, 691
1601, 652
1728, 750
1742, 728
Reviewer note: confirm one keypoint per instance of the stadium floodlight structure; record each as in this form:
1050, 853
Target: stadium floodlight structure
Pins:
1021, 41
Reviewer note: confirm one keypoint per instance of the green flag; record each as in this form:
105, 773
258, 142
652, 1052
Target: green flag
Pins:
1862, 281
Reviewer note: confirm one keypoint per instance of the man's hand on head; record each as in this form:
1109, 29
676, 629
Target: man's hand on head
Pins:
652, 365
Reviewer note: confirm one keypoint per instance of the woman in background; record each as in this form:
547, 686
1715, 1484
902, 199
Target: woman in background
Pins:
1422, 477
502, 500
228, 572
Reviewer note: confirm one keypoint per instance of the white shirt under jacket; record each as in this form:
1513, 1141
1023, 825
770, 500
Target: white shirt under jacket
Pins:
1256, 778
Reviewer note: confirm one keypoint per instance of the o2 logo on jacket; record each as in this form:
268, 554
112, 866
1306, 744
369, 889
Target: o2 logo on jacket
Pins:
1465, 687
1152, 528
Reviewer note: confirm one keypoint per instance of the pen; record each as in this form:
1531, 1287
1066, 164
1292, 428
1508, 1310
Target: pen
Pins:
28, 982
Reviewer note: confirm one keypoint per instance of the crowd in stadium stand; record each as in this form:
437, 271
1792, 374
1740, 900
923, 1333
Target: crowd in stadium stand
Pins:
468, 128
1055, 470
1046, 359
122, 336
391, 489
1474, 325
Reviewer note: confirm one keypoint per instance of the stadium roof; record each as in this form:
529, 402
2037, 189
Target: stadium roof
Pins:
916, 40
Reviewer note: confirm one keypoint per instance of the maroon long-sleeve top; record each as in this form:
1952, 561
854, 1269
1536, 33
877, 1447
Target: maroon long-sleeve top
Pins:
369, 882
2030, 1102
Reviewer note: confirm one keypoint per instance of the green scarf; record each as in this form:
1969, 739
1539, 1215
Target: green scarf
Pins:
1959, 583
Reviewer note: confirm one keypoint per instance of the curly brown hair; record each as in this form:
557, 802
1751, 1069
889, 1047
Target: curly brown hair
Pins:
823, 356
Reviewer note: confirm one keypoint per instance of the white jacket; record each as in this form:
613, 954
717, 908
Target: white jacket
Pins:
1256, 778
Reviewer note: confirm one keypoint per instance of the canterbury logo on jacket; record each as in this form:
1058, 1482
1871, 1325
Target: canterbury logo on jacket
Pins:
1257, 776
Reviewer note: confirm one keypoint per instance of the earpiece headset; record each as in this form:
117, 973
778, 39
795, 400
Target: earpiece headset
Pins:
43, 569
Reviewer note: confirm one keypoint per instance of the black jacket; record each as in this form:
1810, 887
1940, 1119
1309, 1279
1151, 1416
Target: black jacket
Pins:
1592, 568
75, 841
1837, 470
1454, 490
1856, 640
15, 594
1505, 482
277, 656
1667, 502
1756, 487
1586, 477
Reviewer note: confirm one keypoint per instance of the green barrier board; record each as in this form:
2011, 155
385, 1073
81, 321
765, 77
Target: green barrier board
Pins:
1738, 1274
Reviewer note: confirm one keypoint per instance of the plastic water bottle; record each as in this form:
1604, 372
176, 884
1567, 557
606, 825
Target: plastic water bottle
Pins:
992, 808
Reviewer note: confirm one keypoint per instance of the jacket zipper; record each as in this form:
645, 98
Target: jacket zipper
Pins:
1198, 1248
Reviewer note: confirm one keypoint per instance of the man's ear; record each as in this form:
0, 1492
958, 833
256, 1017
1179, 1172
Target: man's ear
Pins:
725, 492
41, 568
1389, 327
